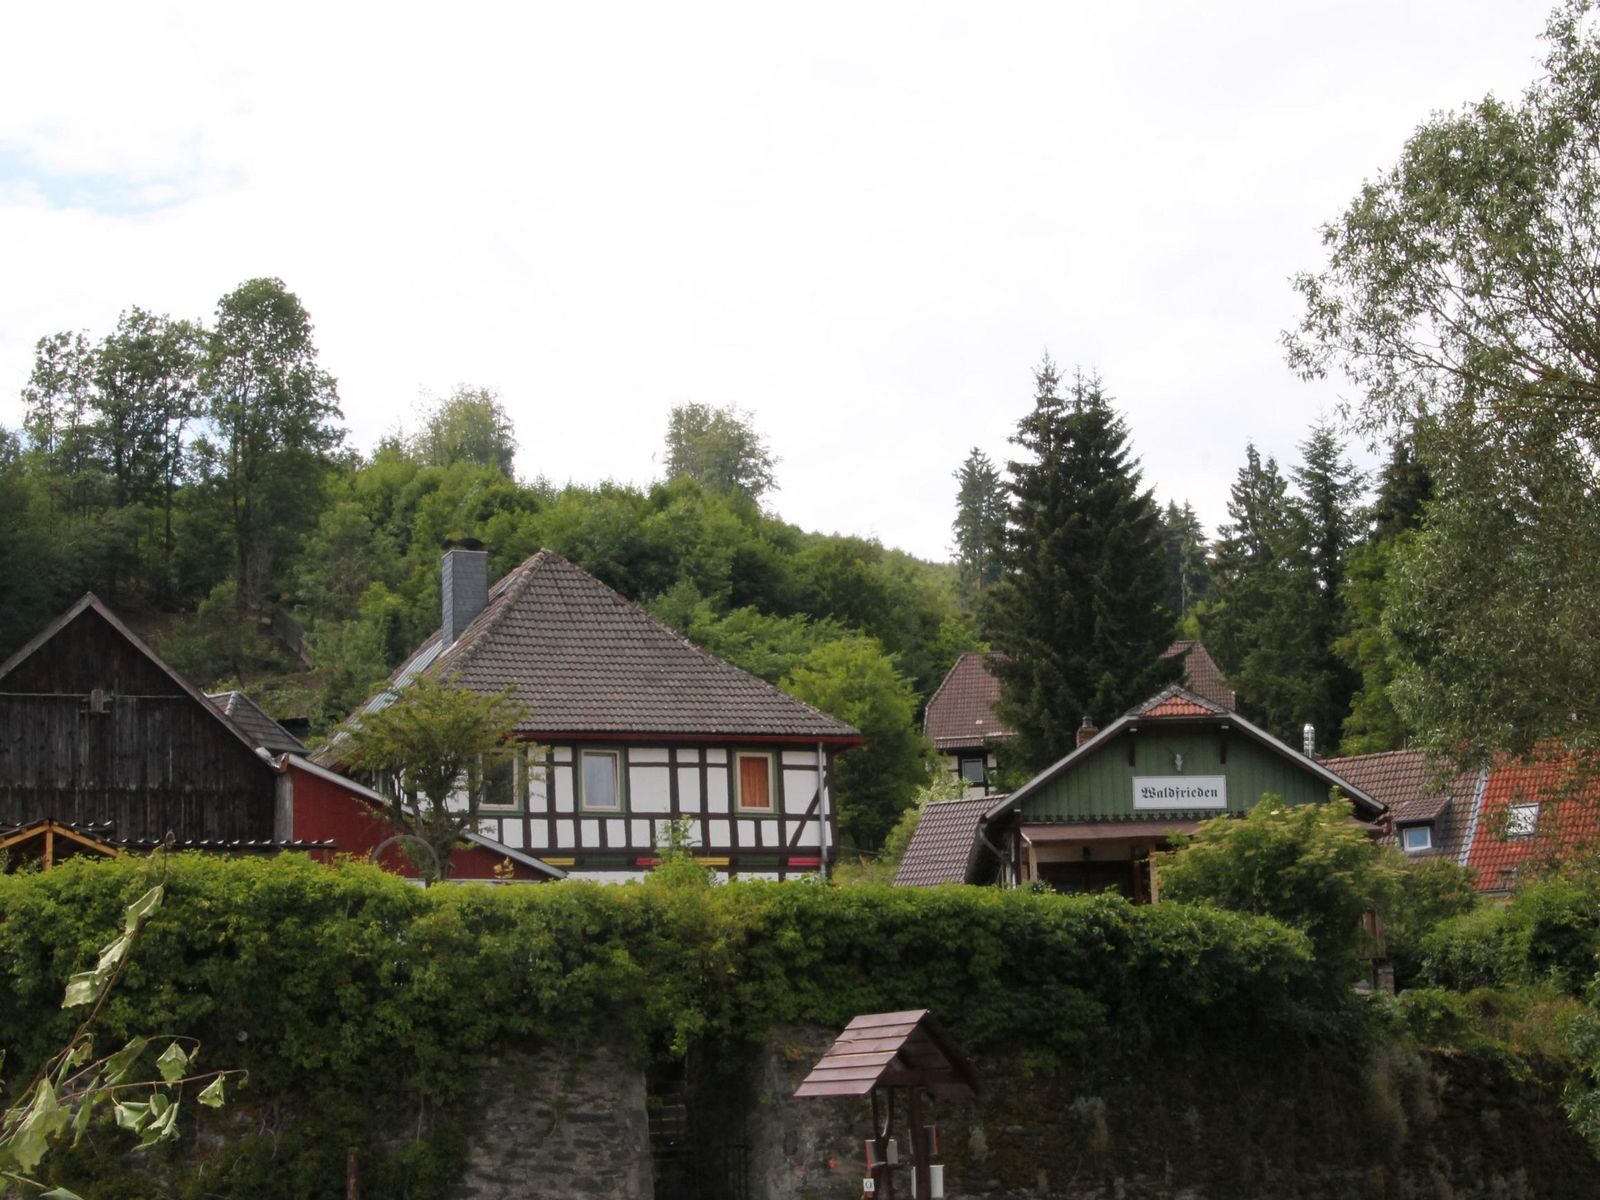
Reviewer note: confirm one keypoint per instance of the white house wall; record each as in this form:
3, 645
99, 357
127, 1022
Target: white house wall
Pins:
695, 785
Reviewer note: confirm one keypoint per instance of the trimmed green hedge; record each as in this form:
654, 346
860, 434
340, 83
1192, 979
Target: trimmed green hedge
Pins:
345, 989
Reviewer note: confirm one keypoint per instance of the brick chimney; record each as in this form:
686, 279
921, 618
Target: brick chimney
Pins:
1086, 731
463, 586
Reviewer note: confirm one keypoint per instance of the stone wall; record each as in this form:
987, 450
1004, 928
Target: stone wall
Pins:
560, 1125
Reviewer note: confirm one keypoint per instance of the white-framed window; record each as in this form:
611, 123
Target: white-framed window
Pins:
600, 777
497, 781
1416, 838
752, 781
1523, 821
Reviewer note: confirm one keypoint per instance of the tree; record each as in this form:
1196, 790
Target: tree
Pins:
471, 426
432, 749
854, 680
1309, 865
979, 527
1188, 571
272, 409
1078, 612
720, 448
1458, 294
1264, 597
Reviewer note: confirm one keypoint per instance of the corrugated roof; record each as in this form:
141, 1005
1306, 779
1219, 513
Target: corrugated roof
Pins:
944, 843
248, 716
586, 661
961, 712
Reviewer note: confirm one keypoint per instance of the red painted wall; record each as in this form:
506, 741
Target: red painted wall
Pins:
325, 811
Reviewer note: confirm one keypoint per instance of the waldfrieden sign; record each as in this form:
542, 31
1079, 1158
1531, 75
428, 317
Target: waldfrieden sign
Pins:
1180, 791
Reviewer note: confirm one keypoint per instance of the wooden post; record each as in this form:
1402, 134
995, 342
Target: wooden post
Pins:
49, 847
918, 1137
352, 1174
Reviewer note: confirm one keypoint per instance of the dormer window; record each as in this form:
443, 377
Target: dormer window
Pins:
1523, 821
1414, 839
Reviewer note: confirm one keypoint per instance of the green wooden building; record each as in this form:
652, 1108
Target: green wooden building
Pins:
1091, 821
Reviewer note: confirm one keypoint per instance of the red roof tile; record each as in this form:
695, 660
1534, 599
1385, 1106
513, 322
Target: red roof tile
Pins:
1565, 801
586, 661
942, 846
961, 712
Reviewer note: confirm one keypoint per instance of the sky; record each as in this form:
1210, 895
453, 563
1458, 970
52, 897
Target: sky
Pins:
861, 223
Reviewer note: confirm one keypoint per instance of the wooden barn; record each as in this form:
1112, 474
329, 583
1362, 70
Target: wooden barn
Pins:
98, 735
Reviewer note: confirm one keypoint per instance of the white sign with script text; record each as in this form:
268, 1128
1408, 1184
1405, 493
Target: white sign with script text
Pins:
1180, 791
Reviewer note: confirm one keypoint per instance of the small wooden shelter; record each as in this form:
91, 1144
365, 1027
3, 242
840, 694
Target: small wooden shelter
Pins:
879, 1053
46, 842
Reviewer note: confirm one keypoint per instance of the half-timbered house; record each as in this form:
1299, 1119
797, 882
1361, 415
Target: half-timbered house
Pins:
629, 730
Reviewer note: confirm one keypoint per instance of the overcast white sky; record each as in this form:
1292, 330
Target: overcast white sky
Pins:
862, 222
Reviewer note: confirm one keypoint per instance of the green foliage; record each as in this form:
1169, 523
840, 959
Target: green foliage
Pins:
980, 525
468, 426
1548, 933
1310, 866
428, 747
1183, 539
882, 866
1457, 295
1426, 893
721, 449
1078, 614
854, 680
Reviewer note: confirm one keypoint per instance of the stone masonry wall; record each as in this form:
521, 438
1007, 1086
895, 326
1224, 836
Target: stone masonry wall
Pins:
560, 1125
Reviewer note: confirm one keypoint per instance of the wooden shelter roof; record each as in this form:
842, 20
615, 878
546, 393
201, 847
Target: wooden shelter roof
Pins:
898, 1049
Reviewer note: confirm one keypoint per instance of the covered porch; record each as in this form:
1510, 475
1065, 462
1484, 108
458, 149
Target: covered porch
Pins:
1097, 856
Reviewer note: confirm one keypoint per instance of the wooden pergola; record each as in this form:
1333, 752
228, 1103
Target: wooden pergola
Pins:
882, 1053
48, 842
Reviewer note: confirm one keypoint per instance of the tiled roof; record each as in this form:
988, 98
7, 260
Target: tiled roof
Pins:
248, 716
961, 711
1175, 701
1567, 823
943, 844
1201, 675
1417, 791
585, 661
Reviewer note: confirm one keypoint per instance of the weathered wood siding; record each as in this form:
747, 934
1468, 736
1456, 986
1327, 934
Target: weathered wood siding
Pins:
155, 760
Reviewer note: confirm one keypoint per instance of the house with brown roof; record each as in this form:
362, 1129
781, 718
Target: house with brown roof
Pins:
1433, 807
1092, 820
630, 730
960, 717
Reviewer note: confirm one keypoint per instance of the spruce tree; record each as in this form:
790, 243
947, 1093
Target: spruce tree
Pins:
1078, 613
1188, 571
1263, 590
979, 527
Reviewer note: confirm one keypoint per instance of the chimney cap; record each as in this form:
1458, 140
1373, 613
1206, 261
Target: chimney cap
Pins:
466, 543
1088, 723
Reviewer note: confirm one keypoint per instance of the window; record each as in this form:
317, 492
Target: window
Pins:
754, 778
1524, 820
973, 769
496, 780
602, 780
1414, 838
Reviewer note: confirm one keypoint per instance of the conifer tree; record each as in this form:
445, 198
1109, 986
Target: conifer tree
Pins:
1263, 586
1078, 612
979, 527
1188, 571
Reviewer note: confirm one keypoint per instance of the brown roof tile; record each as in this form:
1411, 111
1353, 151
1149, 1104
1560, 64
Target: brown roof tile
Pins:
961, 711
1201, 675
586, 661
1416, 791
944, 841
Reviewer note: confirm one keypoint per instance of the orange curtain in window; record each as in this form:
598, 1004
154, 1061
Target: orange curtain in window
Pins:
754, 783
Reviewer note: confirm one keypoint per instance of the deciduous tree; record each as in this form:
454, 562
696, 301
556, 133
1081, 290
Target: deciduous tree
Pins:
721, 448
